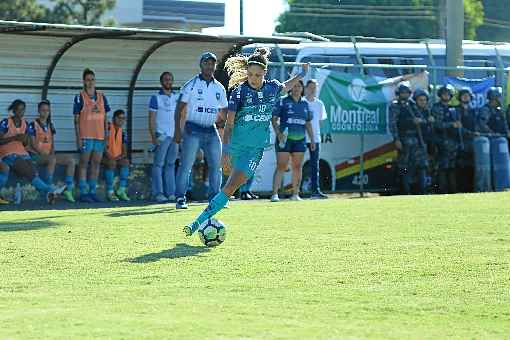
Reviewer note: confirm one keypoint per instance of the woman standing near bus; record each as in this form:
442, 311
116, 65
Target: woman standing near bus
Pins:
291, 121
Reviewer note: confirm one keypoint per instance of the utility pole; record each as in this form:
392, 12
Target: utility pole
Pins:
241, 18
442, 19
454, 35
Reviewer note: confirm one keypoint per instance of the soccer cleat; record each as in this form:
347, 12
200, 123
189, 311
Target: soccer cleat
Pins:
160, 198
245, 196
68, 196
110, 197
122, 195
275, 198
318, 196
60, 190
181, 204
51, 197
295, 198
3, 201
253, 196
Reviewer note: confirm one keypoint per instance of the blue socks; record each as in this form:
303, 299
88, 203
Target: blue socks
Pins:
108, 177
82, 186
69, 181
217, 203
124, 175
3, 179
39, 184
49, 179
92, 186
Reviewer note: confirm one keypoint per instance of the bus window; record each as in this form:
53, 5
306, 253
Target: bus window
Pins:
381, 72
476, 61
412, 61
332, 59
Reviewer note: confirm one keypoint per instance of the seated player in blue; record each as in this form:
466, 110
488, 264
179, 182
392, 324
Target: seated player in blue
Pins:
250, 110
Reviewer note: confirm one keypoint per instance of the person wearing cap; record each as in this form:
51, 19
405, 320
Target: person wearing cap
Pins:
406, 124
161, 127
448, 128
202, 100
42, 149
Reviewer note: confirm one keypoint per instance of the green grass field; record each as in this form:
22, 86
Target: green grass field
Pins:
430, 267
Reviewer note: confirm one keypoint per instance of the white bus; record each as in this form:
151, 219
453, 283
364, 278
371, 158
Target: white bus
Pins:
340, 161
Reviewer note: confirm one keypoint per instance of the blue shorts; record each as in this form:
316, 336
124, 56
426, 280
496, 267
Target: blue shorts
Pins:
247, 161
10, 159
292, 146
92, 145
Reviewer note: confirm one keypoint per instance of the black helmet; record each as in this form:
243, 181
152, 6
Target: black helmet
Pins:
463, 91
403, 87
420, 93
494, 92
446, 89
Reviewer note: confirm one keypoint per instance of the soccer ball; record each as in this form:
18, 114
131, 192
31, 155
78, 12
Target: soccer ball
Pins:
212, 232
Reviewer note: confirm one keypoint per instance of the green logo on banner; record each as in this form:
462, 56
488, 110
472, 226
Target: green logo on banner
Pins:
354, 104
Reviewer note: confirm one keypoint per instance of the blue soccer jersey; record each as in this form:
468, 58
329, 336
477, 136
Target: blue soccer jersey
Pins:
253, 114
293, 116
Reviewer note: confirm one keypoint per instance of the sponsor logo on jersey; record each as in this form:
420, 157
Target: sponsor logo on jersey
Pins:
257, 118
207, 110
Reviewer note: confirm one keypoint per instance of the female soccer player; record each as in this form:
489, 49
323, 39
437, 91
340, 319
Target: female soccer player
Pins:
13, 152
246, 133
292, 114
42, 150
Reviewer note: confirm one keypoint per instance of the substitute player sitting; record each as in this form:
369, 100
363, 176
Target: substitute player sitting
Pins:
116, 156
42, 149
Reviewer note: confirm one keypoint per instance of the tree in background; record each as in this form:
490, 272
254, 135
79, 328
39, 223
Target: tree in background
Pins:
22, 10
496, 26
378, 18
82, 12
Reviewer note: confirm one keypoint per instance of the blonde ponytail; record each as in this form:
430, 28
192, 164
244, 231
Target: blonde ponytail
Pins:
237, 69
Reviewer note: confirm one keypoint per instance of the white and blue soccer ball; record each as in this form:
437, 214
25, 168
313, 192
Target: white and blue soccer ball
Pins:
212, 232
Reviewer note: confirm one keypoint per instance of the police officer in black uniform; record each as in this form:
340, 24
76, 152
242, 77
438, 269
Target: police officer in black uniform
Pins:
449, 134
465, 160
406, 127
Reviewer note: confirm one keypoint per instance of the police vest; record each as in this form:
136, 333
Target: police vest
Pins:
405, 121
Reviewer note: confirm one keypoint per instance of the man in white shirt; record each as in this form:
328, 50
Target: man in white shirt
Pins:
319, 113
162, 127
202, 100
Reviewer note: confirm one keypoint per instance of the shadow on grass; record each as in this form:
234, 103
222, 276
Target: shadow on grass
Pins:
180, 250
141, 212
26, 225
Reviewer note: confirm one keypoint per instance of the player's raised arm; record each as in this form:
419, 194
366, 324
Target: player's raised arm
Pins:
292, 81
